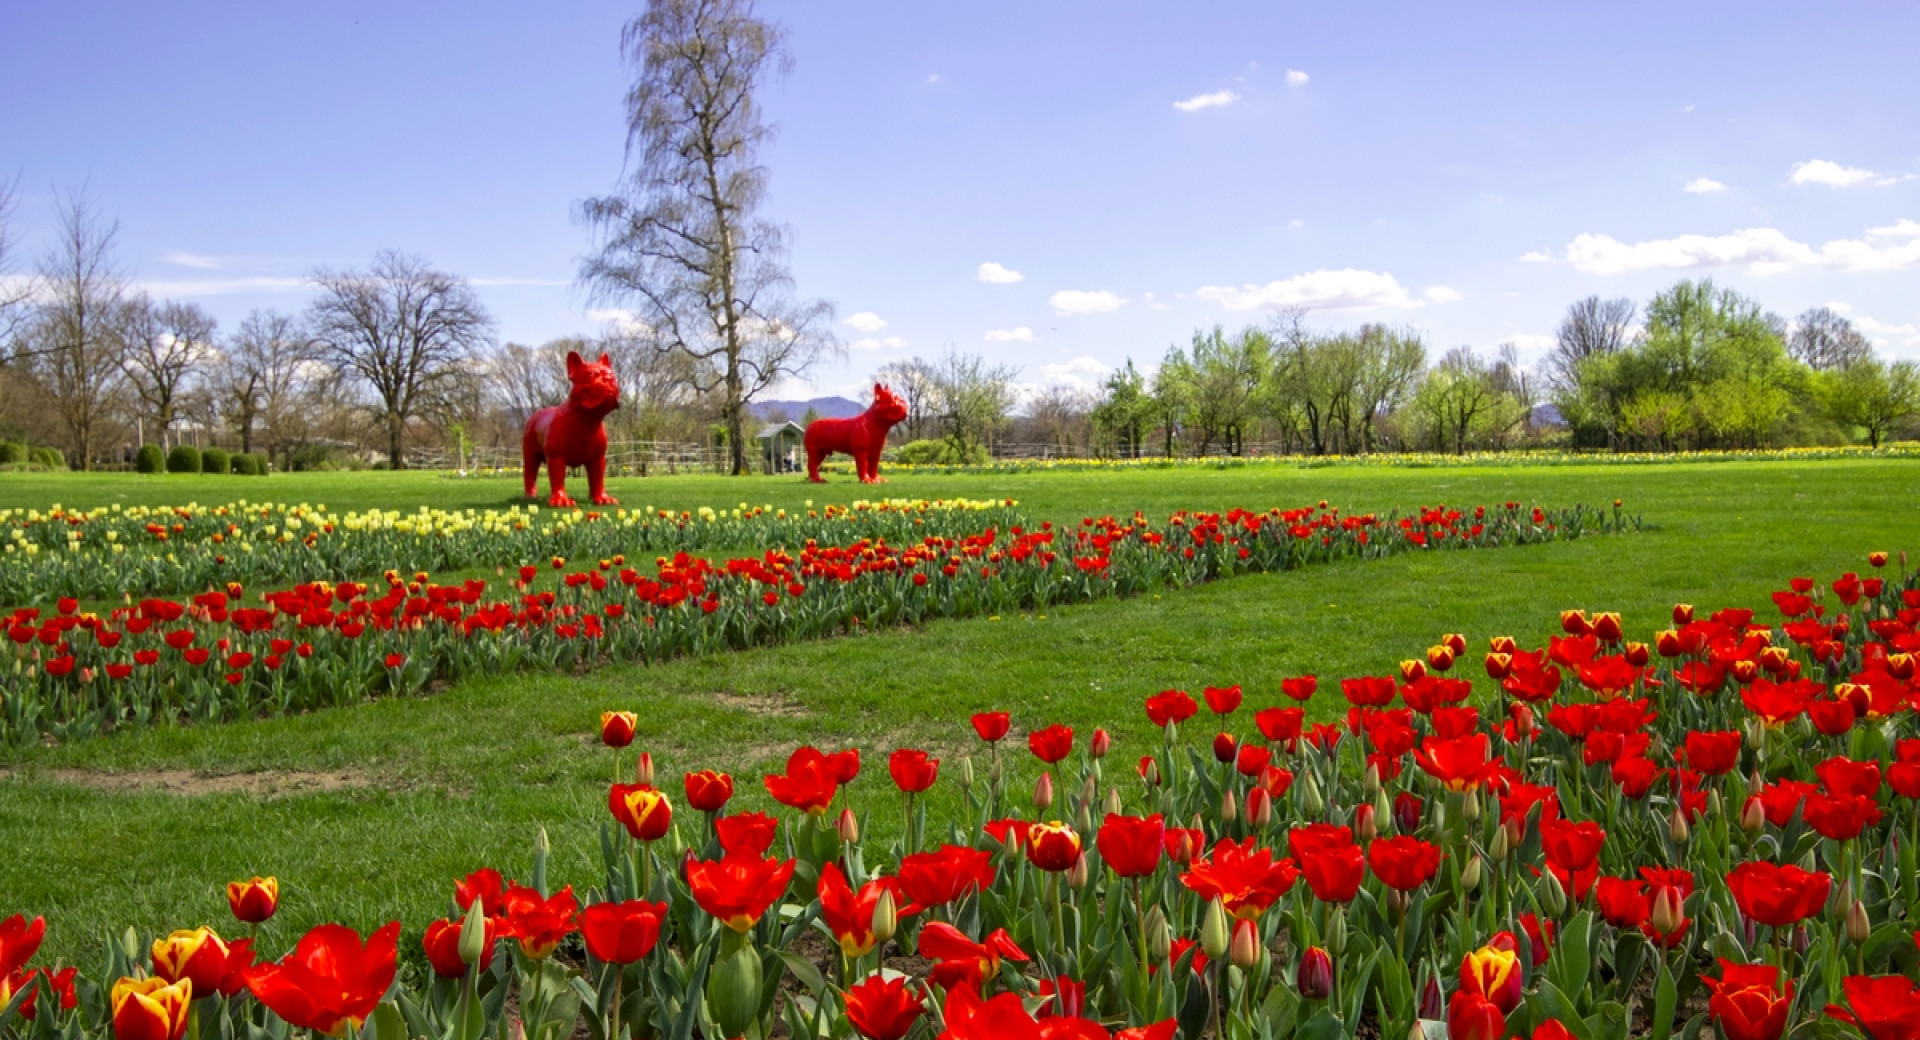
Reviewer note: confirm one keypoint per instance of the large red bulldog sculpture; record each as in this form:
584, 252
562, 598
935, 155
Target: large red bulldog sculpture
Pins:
571, 435
861, 436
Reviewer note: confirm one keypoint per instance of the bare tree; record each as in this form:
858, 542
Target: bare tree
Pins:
913, 381
15, 290
400, 327
682, 240
1060, 414
1593, 326
1827, 341
73, 341
259, 375
164, 343
526, 379
975, 399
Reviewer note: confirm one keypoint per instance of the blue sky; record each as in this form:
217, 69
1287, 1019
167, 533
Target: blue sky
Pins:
1145, 168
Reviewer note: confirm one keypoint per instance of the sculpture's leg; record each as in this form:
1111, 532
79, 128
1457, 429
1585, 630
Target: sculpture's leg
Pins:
597, 482
557, 482
814, 455
873, 466
532, 468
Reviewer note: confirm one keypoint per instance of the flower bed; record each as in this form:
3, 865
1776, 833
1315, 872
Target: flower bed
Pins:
213, 657
1715, 826
148, 552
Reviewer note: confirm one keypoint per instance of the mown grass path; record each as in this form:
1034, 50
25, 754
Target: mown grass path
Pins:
420, 791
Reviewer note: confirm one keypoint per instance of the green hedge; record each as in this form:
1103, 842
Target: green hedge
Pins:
214, 460
149, 459
184, 458
939, 453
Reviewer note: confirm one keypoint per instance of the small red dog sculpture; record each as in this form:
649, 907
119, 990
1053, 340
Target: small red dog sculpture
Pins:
861, 436
571, 435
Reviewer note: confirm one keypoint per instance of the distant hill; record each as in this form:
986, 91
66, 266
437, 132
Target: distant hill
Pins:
827, 407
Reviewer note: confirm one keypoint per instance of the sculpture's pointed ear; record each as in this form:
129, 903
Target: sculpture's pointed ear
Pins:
604, 361
879, 389
573, 362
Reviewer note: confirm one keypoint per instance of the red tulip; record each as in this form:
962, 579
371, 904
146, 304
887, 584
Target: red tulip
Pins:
809, 783
1474, 1018
738, 889
487, 886
881, 1008
622, 933
1280, 724
1051, 744
1881, 1007
992, 725
1623, 903
961, 963
643, 811
1170, 707
254, 900
849, 914
1334, 873
539, 923
616, 728
330, 980
1778, 895
1492, 973
19, 941
200, 956
1573, 853
1840, 817
1403, 863
1225, 748
1747, 1001
1131, 845
912, 771
1315, 977
1462, 764
746, 834
709, 790
1245, 879
937, 878
1842, 775
1300, 688
1714, 753
1222, 700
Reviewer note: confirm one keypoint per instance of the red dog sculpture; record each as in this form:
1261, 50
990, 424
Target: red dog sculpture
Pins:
571, 435
861, 436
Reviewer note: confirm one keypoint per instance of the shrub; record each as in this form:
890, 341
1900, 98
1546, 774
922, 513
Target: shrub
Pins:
149, 459
250, 465
939, 453
50, 458
184, 458
214, 460
12, 454
240, 465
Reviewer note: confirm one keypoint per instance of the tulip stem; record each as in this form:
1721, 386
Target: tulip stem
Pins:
613, 1012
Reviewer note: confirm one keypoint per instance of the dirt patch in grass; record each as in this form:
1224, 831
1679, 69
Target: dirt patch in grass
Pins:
272, 783
765, 705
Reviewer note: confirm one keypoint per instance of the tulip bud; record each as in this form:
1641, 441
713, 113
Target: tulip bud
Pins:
733, 991
1043, 791
1370, 780
1306, 794
1225, 748
473, 934
1677, 826
1229, 807
1753, 818
1213, 931
1406, 813
1470, 805
848, 827
1102, 743
1244, 949
1083, 819
1315, 977
1552, 895
1432, 1004
1801, 940
1858, 927
1396, 904
1159, 936
886, 916
1259, 808
1522, 717
1440, 657
1111, 805
1080, 873
1669, 915
1470, 877
1499, 666
1412, 671
1150, 771
1337, 930
1683, 613
1363, 826
643, 772
1499, 848
966, 773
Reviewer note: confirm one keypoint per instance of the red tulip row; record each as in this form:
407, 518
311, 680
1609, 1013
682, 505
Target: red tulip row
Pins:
1600, 837
215, 657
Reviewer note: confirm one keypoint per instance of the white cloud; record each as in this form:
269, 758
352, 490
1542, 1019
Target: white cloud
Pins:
194, 260
865, 321
1834, 175
1074, 301
1536, 256
223, 286
622, 320
1296, 223
1441, 294
1763, 250
1214, 100
1296, 78
994, 274
1015, 335
1314, 290
490, 283
1703, 186
1082, 373
870, 343
1530, 344
932, 78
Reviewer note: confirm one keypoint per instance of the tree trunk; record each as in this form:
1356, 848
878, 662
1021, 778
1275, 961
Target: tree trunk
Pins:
396, 425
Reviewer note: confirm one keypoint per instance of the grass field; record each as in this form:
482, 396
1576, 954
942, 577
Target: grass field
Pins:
408, 794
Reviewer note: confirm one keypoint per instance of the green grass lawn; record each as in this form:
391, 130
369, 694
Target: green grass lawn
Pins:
441, 785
